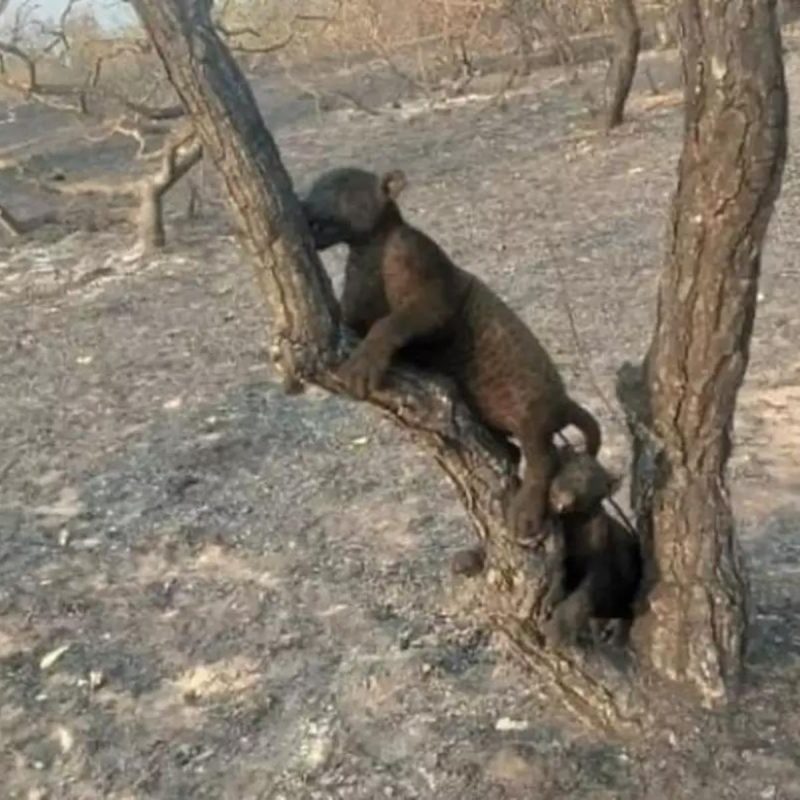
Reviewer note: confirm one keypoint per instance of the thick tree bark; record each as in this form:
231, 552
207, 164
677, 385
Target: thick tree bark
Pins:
308, 344
695, 625
621, 71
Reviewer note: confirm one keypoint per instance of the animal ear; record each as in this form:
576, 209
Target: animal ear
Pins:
393, 183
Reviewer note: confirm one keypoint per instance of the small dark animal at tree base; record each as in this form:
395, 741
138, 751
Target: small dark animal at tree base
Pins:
595, 568
404, 295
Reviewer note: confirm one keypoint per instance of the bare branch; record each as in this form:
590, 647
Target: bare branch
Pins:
136, 47
21, 20
178, 157
57, 35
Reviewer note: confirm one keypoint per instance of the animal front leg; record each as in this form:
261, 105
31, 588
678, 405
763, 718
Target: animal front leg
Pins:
363, 372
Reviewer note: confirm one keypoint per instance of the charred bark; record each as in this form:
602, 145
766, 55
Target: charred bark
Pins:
621, 71
694, 626
234, 138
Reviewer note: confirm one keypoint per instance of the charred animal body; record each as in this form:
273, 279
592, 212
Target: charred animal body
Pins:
405, 297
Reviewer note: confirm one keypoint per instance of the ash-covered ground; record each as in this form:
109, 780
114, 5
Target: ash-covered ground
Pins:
210, 589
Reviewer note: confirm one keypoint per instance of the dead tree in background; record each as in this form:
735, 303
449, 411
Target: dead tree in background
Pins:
95, 83
694, 628
621, 70
532, 21
308, 342
106, 109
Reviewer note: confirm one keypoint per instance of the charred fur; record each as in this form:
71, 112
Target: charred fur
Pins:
596, 565
406, 298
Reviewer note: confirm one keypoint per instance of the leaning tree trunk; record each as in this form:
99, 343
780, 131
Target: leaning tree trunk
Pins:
621, 71
695, 624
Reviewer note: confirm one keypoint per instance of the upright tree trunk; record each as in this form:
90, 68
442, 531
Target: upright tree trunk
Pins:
695, 625
520, 13
152, 235
621, 71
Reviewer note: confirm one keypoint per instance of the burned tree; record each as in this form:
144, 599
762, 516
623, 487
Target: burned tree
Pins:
683, 399
308, 342
621, 70
85, 88
117, 89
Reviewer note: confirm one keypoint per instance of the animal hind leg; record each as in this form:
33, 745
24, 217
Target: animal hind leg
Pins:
529, 506
570, 617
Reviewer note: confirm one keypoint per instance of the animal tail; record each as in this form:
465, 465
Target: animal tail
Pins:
582, 419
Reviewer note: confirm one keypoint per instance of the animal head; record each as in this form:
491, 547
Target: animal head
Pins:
581, 484
346, 205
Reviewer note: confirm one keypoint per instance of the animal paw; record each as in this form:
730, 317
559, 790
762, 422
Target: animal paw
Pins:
363, 373
526, 520
557, 633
